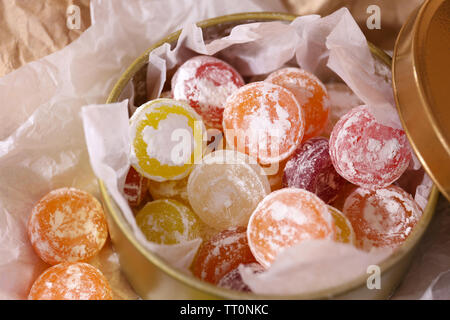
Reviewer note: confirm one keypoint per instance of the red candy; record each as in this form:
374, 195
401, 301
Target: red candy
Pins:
135, 187
311, 168
221, 254
367, 152
206, 82
233, 279
383, 217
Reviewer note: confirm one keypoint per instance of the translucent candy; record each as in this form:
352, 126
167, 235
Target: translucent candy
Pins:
264, 121
67, 225
366, 152
311, 95
71, 281
285, 218
233, 279
135, 188
167, 137
176, 190
344, 229
225, 189
168, 222
206, 82
310, 168
221, 254
383, 217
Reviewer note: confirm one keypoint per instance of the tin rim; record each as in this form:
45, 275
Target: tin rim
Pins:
413, 100
341, 289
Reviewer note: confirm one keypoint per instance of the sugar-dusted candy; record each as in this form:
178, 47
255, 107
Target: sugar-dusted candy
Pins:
206, 82
135, 188
71, 281
167, 138
367, 152
311, 95
264, 121
67, 225
233, 279
285, 218
172, 189
225, 188
221, 254
168, 222
310, 168
342, 100
344, 229
383, 217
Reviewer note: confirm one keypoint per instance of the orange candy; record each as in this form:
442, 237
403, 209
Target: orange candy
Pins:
67, 225
221, 254
311, 95
71, 281
264, 121
285, 218
383, 217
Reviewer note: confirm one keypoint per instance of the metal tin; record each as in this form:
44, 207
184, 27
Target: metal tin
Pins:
420, 73
152, 278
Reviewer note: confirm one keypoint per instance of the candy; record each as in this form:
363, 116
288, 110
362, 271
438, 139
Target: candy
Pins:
67, 225
167, 137
310, 168
168, 222
221, 254
383, 217
176, 190
135, 188
206, 82
366, 152
264, 121
285, 218
344, 229
233, 279
310, 93
71, 281
225, 189
342, 100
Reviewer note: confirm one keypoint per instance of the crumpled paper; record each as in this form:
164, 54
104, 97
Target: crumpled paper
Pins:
42, 144
317, 44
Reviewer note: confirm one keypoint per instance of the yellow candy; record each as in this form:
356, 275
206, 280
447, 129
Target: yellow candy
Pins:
168, 222
344, 229
167, 137
176, 190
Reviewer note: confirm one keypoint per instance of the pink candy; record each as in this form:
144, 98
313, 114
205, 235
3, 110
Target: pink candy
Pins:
367, 152
311, 168
206, 82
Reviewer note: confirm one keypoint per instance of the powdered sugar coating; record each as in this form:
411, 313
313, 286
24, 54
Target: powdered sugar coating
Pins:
366, 152
264, 121
310, 93
383, 217
135, 187
71, 281
285, 218
168, 222
67, 225
221, 254
206, 82
224, 190
310, 168
233, 279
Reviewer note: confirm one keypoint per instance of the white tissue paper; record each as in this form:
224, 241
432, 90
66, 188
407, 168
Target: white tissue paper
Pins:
42, 144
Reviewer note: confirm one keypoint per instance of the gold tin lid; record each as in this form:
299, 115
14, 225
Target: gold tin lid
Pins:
421, 68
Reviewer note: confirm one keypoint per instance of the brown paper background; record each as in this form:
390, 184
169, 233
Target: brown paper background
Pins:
32, 29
